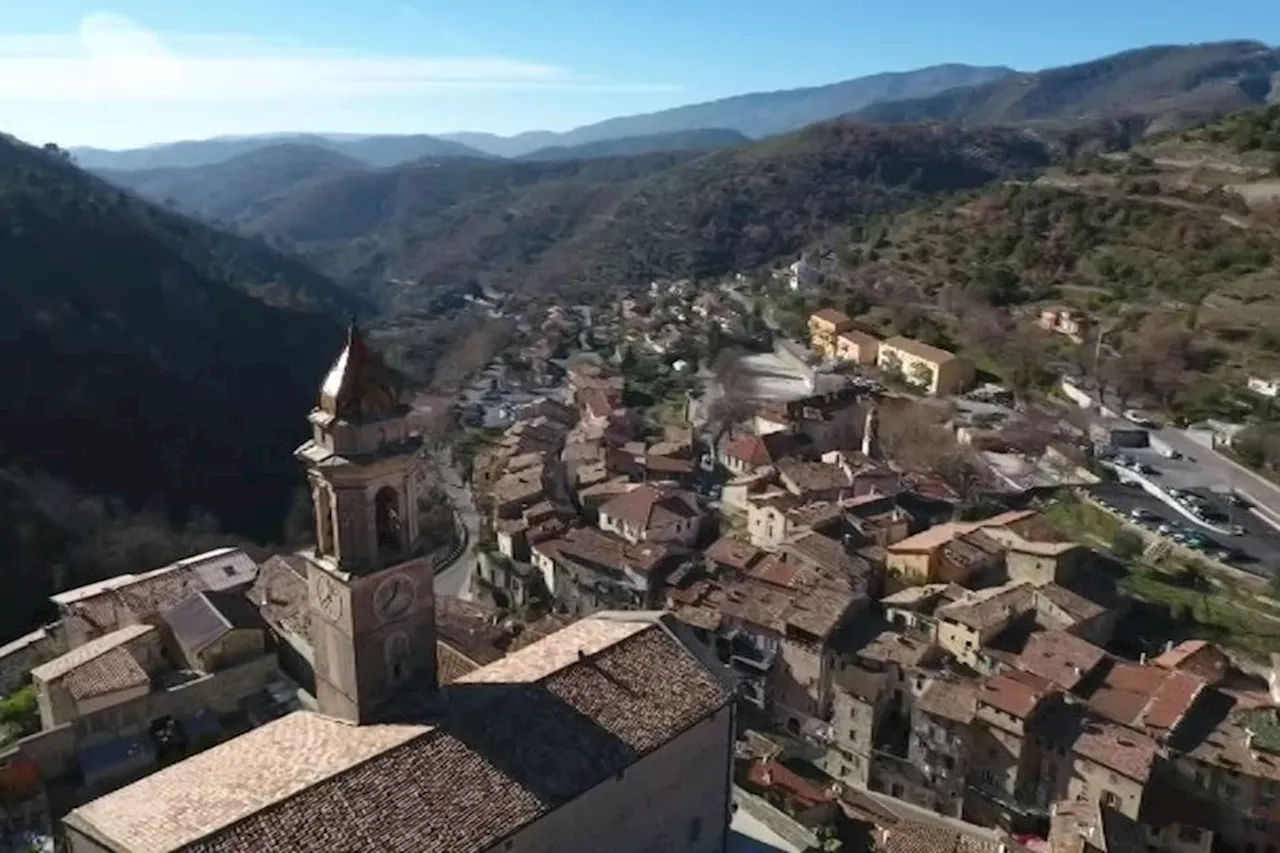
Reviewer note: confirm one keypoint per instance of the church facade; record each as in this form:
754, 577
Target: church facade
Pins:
615, 733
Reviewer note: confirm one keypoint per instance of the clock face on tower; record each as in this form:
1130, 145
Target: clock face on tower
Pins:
328, 597
394, 598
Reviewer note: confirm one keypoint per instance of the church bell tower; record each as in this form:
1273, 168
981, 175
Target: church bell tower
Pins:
369, 584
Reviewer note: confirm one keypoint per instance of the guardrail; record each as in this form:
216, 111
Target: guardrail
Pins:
1150, 536
1159, 493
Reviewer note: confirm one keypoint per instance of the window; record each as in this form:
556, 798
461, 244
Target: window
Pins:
695, 829
229, 571
853, 735
399, 666
1189, 833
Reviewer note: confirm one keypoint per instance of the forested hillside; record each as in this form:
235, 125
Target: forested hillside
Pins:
1177, 260
153, 361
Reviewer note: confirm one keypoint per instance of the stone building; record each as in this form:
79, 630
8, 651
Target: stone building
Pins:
368, 578
548, 749
653, 514
942, 740
116, 690
858, 707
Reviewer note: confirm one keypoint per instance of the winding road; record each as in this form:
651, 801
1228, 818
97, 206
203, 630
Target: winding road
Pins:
455, 580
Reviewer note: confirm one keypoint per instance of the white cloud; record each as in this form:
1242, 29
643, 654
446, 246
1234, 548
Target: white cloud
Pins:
113, 60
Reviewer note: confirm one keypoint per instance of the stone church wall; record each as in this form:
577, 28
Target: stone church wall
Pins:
642, 809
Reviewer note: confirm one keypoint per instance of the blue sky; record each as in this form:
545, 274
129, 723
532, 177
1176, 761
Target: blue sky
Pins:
135, 72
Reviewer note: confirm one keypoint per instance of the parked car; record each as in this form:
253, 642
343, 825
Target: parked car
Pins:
1238, 500
1141, 514
1170, 453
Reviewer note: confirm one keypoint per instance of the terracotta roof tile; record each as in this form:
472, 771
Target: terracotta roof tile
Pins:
1174, 658
1017, 694
452, 664
805, 476
990, 608
1172, 701
1076, 606
280, 594
652, 508
456, 787
81, 655
603, 550
108, 673
1059, 657
839, 319
951, 700
1117, 748
733, 553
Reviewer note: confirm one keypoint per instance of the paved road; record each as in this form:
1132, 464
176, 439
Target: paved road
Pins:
1226, 472
1260, 544
456, 580
1209, 469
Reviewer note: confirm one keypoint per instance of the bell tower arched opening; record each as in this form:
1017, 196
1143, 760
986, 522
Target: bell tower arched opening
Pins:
388, 527
324, 520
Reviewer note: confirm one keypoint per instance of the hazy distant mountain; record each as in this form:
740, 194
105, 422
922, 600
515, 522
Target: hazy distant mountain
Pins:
685, 140
374, 151
1177, 84
755, 115
225, 190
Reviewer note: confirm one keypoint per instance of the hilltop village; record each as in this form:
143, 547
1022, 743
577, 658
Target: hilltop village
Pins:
833, 594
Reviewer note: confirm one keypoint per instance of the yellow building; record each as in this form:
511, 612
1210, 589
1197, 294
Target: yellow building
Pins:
923, 558
825, 327
935, 370
858, 347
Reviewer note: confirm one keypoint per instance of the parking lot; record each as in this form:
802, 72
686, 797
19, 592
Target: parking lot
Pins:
1256, 549
1186, 472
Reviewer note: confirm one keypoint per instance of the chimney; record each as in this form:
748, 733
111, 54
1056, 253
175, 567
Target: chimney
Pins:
1142, 659
1168, 645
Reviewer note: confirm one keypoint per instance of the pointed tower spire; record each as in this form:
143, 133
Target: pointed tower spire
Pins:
358, 386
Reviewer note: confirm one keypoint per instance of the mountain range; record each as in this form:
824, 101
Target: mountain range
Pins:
1179, 84
171, 345
372, 151
753, 116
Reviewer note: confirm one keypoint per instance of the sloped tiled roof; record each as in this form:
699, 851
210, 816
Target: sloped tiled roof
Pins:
108, 673
206, 617
1117, 748
955, 700
524, 736
79, 656
652, 508
1057, 656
